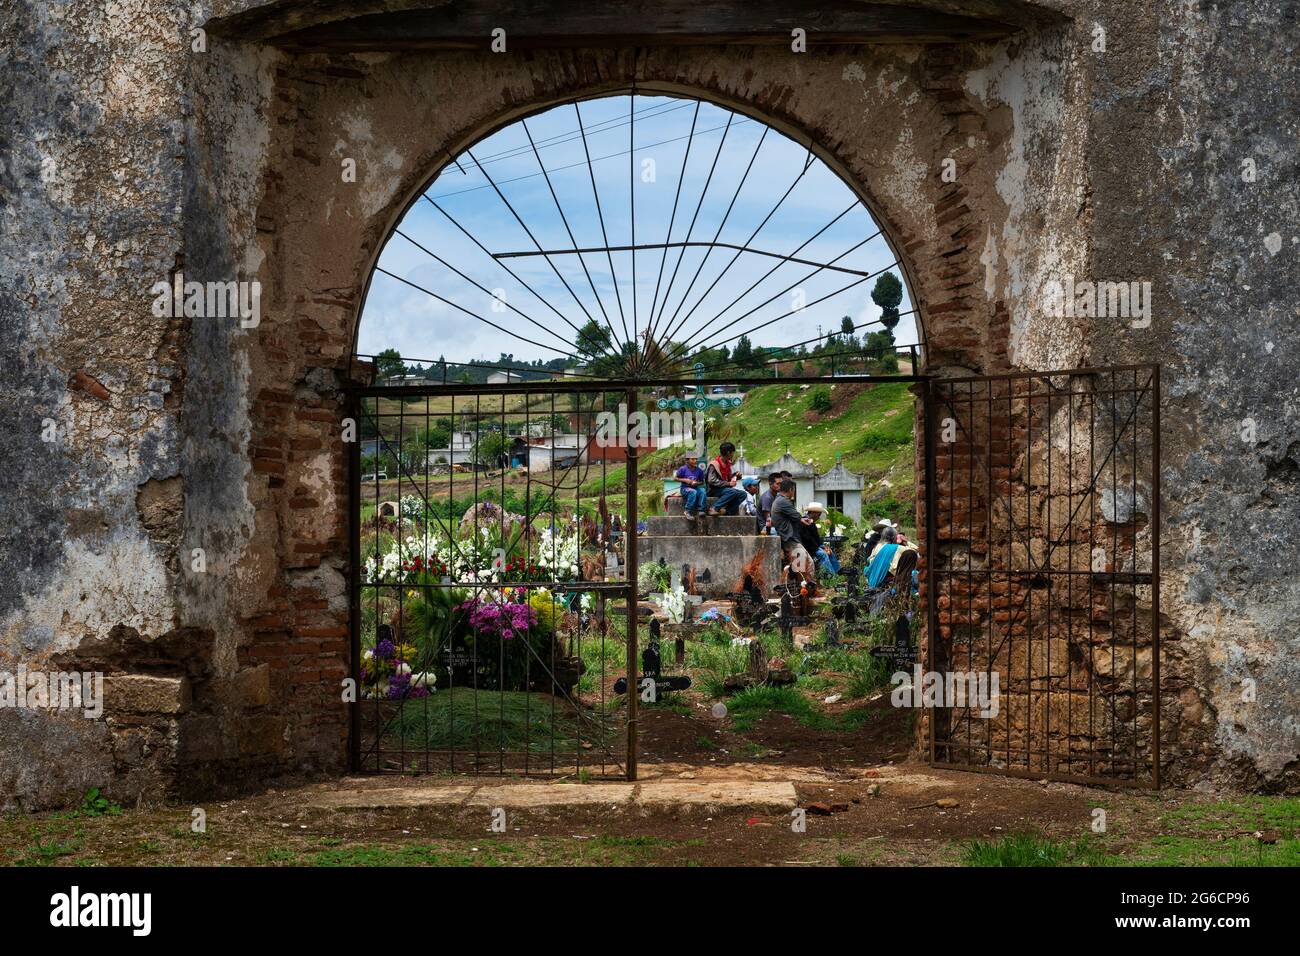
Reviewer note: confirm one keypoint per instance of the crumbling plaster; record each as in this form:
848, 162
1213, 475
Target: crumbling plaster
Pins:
128, 156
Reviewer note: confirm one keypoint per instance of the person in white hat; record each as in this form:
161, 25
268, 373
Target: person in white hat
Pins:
808, 533
812, 539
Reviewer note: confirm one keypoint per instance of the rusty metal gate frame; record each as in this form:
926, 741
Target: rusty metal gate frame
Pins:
628, 590
359, 757
944, 400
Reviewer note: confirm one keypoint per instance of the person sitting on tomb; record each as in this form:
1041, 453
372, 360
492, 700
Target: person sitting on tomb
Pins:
750, 505
808, 533
882, 557
693, 491
884, 560
721, 480
765, 502
811, 537
787, 522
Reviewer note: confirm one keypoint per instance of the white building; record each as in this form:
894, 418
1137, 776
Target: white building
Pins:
802, 472
840, 489
501, 378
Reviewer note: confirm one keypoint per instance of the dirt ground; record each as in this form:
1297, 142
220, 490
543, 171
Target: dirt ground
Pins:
860, 802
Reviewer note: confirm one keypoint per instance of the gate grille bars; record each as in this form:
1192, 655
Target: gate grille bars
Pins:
1042, 566
1043, 521
484, 606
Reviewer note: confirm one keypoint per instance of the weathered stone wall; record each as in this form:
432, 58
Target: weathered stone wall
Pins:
128, 156
1042, 571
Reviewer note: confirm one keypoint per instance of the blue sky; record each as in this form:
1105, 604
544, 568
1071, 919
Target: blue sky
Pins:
710, 308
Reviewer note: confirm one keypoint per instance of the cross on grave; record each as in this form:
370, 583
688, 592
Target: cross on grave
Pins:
699, 402
902, 653
787, 620
651, 682
750, 605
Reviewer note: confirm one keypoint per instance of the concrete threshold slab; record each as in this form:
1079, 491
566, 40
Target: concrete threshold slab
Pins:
654, 795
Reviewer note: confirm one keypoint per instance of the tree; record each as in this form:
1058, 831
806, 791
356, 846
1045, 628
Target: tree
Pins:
846, 323
745, 356
439, 436
593, 341
490, 449
389, 364
888, 294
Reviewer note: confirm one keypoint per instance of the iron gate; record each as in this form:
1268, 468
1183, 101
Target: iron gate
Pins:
1043, 526
495, 570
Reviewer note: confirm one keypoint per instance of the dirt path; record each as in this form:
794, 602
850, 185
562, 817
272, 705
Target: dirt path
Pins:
889, 814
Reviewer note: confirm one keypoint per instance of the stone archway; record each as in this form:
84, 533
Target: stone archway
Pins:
252, 652
324, 235
176, 435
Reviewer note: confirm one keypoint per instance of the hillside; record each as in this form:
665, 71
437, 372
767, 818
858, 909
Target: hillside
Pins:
869, 425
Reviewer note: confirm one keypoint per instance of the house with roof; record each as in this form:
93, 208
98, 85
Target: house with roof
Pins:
802, 472
840, 489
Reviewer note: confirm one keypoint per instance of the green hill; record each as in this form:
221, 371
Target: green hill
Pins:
870, 426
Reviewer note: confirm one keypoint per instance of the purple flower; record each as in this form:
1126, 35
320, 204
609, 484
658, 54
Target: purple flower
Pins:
398, 685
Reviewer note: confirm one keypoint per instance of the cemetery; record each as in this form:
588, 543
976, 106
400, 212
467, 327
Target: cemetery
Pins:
667, 424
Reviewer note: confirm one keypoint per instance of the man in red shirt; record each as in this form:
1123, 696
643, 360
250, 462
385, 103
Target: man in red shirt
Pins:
721, 481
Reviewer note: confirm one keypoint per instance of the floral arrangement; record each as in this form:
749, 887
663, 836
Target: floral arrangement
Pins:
476, 559
557, 553
504, 619
673, 604
411, 508
386, 672
549, 612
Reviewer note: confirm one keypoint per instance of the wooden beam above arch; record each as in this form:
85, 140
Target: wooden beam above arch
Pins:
535, 24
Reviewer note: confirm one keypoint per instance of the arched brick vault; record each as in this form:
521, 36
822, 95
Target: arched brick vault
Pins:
455, 144
884, 119
934, 228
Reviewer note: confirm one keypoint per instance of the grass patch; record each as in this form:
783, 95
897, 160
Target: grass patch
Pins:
712, 664
1242, 850
750, 706
1243, 813
1028, 849
487, 720
604, 658
601, 851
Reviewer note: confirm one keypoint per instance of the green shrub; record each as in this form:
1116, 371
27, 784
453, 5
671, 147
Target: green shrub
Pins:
654, 576
820, 400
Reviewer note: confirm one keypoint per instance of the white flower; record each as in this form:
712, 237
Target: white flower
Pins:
673, 603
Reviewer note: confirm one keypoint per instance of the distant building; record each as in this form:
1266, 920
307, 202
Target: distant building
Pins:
802, 472
840, 489
502, 378
544, 452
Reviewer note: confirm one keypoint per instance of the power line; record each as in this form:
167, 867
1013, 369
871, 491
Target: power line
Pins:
622, 152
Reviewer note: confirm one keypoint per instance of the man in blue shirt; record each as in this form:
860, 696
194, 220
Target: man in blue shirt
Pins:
694, 494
